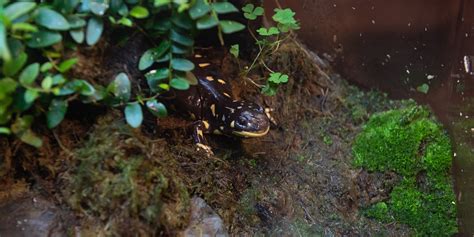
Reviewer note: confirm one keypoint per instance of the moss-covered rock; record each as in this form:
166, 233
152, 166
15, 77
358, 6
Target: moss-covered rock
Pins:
409, 142
127, 182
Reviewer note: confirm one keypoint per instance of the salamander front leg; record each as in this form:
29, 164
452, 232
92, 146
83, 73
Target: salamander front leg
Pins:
201, 127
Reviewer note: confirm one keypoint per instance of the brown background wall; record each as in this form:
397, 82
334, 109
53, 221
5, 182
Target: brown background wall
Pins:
395, 46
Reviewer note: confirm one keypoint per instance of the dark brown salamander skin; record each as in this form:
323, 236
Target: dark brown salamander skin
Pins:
212, 104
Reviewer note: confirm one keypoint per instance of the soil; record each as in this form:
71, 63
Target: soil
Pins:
296, 181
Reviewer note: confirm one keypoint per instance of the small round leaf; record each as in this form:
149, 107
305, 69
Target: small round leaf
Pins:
51, 19
179, 84
157, 108
56, 112
95, 27
134, 115
182, 64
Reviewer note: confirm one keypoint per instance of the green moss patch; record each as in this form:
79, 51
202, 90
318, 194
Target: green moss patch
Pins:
127, 183
409, 142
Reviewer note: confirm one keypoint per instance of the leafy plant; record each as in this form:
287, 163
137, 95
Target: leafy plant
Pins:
35, 37
268, 42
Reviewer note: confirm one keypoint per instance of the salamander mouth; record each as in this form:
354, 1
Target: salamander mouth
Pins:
251, 134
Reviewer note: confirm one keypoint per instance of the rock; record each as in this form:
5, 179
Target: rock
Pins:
204, 221
32, 216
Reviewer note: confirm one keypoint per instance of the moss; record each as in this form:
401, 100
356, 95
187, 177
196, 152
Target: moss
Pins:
127, 182
409, 142
380, 212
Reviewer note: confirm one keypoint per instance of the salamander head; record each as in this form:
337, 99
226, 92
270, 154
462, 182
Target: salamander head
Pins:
249, 120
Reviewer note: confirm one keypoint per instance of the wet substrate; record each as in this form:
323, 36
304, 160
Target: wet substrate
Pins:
298, 180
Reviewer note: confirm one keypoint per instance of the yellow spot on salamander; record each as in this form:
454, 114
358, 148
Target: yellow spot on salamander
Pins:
199, 131
198, 56
232, 124
217, 132
221, 128
203, 65
206, 124
226, 94
209, 78
221, 81
193, 116
213, 109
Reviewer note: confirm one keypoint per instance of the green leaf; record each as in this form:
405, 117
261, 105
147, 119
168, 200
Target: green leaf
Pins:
23, 26
248, 8
269, 90
230, 27
7, 86
159, 74
125, 21
80, 86
58, 79
56, 112
30, 138
176, 49
157, 108
234, 50
76, 22
29, 74
134, 115
12, 67
181, 38
149, 57
284, 16
278, 78
267, 32
68, 6
99, 7
115, 5
164, 86
163, 59
121, 87
159, 3
423, 88
4, 49
199, 9
51, 19
77, 35
258, 11
251, 13
224, 7
155, 76
16, 47
182, 64
67, 65
95, 27
179, 83
4, 130
30, 95
207, 22
183, 21
43, 38
18, 9
21, 128
146, 60
47, 83
46, 67
139, 12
